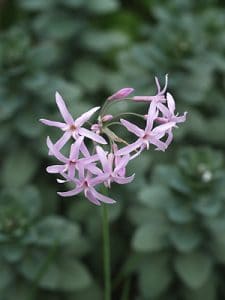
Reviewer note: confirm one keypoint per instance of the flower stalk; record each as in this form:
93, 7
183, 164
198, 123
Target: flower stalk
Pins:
106, 253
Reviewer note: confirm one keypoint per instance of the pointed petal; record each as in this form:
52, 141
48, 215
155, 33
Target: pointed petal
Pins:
165, 86
157, 85
61, 142
63, 109
132, 128
102, 198
103, 159
84, 150
55, 152
170, 102
55, 169
122, 163
165, 111
163, 128
93, 169
92, 198
91, 135
99, 179
85, 117
169, 138
123, 180
75, 148
152, 115
71, 192
180, 119
159, 144
52, 123
130, 148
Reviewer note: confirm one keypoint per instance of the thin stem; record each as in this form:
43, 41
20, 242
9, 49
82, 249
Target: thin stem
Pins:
106, 253
128, 114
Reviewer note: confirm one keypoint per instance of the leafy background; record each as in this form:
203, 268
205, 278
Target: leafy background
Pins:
168, 227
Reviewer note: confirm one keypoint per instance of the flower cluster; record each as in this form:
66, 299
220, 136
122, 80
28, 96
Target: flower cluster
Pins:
86, 169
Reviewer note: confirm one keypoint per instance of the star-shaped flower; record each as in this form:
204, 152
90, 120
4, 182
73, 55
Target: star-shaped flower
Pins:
73, 128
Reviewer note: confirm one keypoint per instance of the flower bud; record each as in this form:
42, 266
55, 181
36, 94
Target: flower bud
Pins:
121, 94
107, 118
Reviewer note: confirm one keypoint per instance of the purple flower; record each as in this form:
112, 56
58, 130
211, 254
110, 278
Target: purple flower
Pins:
123, 93
147, 136
159, 97
113, 167
73, 163
86, 183
73, 128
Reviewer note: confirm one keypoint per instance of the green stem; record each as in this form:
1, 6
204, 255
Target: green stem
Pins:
106, 253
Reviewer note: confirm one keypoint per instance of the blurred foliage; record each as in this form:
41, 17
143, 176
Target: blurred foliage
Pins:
171, 220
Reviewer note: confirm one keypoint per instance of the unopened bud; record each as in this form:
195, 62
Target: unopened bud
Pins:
121, 94
107, 118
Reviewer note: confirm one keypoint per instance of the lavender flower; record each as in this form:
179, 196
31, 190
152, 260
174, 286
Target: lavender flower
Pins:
88, 171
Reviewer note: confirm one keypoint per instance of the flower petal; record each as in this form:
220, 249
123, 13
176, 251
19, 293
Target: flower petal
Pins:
123, 180
52, 123
152, 115
163, 128
63, 109
53, 149
61, 142
70, 193
132, 128
91, 135
54, 169
159, 144
75, 148
85, 116
170, 102
92, 198
130, 148
101, 197
120, 164
103, 159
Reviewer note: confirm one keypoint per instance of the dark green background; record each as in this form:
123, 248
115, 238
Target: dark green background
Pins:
168, 226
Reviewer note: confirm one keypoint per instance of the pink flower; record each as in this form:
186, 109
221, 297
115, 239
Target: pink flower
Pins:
73, 163
168, 113
86, 183
73, 128
123, 93
147, 136
114, 167
159, 97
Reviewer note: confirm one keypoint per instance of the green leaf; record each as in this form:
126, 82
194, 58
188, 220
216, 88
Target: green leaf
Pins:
154, 276
101, 7
7, 275
104, 41
54, 230
208, 291
194, 268
36, 4
185, 238
18, 168
180, 213
56, 273
208, 206
150, 237
91, 293
155, 196
12, 252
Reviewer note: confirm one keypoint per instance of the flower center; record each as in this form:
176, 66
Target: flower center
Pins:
146, 136
73, 127
72, 162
